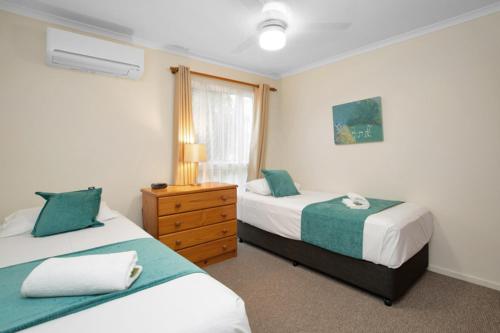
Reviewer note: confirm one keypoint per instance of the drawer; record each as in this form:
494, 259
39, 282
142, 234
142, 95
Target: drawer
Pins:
183, 239
216, 259
209, 250
188, 202
184, 221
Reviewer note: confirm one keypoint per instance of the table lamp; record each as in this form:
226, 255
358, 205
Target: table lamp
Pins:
195, 153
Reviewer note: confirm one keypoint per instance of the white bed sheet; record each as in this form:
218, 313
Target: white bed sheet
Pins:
390, 237
192, 303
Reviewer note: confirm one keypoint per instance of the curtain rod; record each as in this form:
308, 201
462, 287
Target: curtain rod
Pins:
176, 69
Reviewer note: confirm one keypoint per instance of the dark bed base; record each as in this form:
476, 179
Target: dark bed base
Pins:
378, 279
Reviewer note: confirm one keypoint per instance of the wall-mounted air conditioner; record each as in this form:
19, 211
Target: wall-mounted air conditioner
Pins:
74, 51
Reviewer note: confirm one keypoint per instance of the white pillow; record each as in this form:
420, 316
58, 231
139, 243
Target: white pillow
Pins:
19, 222
106, 213
260, 186
24, 220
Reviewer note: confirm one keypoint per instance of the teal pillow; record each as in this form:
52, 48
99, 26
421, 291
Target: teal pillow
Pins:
280, 183
68, 211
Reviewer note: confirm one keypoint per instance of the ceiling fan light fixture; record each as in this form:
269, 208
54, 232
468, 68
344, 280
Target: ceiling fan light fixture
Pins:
272, 38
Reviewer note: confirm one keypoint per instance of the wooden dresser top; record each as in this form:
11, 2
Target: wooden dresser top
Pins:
186, 189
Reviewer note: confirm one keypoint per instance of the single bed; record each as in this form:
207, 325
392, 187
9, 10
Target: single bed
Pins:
192, 303
395, 242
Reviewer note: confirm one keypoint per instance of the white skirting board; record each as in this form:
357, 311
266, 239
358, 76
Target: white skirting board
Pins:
465, 277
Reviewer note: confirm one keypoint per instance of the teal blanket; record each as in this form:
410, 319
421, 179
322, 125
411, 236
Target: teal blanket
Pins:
337, 228
160, 264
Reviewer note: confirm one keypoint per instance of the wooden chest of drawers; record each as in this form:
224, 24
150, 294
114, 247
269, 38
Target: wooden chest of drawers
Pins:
199, 222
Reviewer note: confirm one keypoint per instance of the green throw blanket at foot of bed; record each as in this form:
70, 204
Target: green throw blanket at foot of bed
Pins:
333, 226
160, 264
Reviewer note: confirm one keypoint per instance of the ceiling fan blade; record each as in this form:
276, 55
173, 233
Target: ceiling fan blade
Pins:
252, 5
248, 43
327, 26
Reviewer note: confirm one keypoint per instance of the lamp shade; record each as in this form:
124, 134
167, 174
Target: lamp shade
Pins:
272, 38
195, 152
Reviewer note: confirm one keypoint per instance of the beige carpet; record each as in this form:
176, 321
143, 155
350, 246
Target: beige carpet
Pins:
283, 298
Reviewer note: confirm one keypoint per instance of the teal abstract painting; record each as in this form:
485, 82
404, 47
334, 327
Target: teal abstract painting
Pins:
358, 122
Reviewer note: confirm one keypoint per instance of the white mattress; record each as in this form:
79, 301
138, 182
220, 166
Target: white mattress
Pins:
390, 237
192, 303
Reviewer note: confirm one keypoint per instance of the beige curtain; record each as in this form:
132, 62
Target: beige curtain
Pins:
185, 173
257, 144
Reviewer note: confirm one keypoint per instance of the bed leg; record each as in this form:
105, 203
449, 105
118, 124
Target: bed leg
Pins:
294, 263
387, 302
241, 240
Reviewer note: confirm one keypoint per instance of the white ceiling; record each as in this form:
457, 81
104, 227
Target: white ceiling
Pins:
214, 29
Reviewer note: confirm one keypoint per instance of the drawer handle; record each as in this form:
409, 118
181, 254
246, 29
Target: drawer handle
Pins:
177, 223
178, 205
178, 242
223, 198
224, 215
224, 231
224, 247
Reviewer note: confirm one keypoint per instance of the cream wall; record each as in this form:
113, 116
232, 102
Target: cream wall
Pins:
441, 115
63, 130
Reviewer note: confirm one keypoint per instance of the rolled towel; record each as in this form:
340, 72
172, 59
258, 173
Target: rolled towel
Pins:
356, 201
350, 204
83, 275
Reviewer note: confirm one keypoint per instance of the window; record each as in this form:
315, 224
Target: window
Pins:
222, 116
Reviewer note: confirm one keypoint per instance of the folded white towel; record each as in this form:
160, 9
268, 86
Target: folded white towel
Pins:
83, 275
356, 201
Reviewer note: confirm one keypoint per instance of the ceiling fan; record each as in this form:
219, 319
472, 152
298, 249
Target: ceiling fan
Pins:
271, 32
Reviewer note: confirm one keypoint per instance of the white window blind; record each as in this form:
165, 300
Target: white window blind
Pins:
222, 115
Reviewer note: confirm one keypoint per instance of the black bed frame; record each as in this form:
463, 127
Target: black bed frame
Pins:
380, 280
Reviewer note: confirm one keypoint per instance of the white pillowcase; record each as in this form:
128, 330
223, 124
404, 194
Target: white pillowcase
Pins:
19, 222
24, 220
260, 186
106, 213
